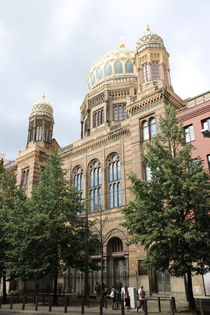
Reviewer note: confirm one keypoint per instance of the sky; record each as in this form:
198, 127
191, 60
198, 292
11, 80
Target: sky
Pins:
50, 45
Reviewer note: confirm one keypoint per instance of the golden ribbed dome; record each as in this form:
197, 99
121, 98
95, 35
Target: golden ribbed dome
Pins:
149, 39
114, 64
42, 107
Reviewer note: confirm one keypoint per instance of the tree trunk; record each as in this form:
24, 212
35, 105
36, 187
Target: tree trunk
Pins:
4, 290
191, 299
55, 299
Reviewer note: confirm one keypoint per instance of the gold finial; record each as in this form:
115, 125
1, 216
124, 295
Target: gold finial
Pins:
122, 42
43, 96
148, 28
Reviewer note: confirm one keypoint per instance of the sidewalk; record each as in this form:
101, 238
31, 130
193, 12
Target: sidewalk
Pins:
93, 310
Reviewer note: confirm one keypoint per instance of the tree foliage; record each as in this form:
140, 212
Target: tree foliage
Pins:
48, 233
169, 215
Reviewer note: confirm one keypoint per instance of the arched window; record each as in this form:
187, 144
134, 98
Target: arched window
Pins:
108, 69
115, 245
38, 133
78, 180
129, 67
114, 181
152, 127
118, 67
99, 74
145, 129
155, 70
145, 72
95, 190
149, 129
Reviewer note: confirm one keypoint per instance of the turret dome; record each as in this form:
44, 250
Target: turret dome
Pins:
115, 64
42, 107
149, 39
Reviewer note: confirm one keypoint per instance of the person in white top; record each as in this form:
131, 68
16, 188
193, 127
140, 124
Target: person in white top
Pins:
141, 296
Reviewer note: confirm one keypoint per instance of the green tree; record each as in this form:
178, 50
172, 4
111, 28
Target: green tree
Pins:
48, 234
169, 215
11, 200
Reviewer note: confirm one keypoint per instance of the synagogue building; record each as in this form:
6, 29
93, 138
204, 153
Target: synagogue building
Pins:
127, 93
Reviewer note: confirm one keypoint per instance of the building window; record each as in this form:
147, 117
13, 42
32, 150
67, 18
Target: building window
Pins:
24, 177
145, 72
149, 129
208, 160
155, 70
114, 182
95, 183
108, 69
189, 133
118, 67
129, 67
148, 173
119, 112
38, 133
141, 268
78, 180
98, 117
206, 124
115, 245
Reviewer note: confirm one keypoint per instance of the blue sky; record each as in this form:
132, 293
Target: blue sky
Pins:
50, 46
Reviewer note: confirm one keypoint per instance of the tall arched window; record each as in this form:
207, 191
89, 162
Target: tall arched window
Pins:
95, 186
152, 127
145, 130
118, 67
145, 72
155, 70
38, 133
114, 182
78, 180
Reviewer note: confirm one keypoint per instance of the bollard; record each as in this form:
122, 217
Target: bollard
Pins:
105, 302
101, 305
172, 306
24, 302
122, 307
82, 305
159, 305
43, 299
201, 307
36, 303
65, 304
50, 303
145, 307
11, 302
174, 303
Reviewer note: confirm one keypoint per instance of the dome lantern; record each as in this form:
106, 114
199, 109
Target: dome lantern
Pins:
149, 39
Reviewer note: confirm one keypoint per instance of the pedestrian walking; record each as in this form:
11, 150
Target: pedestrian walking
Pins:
141, 297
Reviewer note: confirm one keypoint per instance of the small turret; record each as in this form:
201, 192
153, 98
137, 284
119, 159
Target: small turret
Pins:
151, 61
41, 123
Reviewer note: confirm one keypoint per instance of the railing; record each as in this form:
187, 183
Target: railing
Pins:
47, 300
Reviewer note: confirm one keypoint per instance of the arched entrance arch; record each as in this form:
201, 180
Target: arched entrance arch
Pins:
117, 264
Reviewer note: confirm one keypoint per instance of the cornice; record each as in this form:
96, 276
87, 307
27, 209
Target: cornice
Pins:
149, 101
194, 112
93, 144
